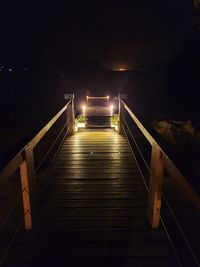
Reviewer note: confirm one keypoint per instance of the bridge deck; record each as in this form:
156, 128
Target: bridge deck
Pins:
94, 210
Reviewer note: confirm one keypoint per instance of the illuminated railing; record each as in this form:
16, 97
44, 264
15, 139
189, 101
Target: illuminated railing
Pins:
158, 166
159, 163
24, 163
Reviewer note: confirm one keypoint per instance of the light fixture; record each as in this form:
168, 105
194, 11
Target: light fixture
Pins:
83, 108
111, 109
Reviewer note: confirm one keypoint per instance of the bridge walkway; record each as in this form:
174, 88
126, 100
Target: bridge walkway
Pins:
93, 212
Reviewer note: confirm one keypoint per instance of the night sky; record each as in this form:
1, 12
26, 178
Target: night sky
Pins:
130, 34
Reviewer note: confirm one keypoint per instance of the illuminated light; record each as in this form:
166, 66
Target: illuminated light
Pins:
107, 97
83, 110
111, 109
81, 125
87, 97
115, 127
91, 152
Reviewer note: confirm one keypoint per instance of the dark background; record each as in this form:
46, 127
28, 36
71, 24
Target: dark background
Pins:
48, 49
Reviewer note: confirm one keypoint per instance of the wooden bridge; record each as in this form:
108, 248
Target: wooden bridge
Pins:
87, 199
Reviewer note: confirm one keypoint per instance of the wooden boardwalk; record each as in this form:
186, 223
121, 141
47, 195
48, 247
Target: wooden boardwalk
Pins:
94, 210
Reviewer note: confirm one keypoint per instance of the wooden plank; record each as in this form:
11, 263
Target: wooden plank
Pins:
76, 181
92, 171
116, 168
73, 223
108, 234
78, 187
58, 195
96, 261
94, 161
101, 249
93, 212
103, 203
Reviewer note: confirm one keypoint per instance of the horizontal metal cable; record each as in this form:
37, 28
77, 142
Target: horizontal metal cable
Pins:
147, 166
5, 254
19, 197
168, 206
39, 165
50, 164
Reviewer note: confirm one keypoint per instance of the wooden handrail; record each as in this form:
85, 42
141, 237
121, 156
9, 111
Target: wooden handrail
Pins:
24, 160
14, 163
36, 139
160, 162
149, 138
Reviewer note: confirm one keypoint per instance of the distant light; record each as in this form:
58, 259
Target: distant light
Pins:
2, 67
120, 69
107, 97
10, 69
87, 97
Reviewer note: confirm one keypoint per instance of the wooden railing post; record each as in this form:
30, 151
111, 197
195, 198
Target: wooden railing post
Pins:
29, 157
27, 175
73, 116
120, 114
155, 186
26, 195
72, 113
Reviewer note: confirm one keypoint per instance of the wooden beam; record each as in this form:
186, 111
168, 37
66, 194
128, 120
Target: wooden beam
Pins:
155, 186
26, 195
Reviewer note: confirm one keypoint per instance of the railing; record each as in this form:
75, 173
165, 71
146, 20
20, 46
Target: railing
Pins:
24, 163
160, 164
